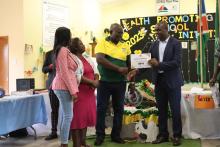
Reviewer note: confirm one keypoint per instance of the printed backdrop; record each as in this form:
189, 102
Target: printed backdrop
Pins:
140, 33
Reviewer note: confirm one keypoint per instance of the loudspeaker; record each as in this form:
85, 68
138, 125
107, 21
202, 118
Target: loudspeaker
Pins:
25, 84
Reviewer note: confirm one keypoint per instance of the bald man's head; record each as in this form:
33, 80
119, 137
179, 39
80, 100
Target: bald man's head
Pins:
116, 32
115, 26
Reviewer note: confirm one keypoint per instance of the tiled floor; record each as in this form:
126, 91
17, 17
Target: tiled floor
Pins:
40, 142
28, 142
211, 143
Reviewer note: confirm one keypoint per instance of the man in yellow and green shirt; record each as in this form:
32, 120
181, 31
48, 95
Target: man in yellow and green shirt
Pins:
112, 56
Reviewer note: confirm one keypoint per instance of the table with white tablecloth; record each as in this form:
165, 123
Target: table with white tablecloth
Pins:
196, 122
199, 123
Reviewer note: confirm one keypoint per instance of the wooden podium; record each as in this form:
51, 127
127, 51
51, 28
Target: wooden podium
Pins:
93, 45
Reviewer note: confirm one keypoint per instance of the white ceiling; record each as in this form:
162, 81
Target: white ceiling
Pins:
108, 2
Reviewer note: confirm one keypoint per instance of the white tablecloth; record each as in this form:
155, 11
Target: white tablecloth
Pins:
199, 123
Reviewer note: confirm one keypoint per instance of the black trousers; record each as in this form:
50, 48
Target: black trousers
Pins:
54, 103
104, 91
165, 95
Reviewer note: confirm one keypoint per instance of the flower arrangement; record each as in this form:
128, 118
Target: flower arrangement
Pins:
147, 87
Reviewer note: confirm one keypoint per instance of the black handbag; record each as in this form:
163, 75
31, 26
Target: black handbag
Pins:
19, 133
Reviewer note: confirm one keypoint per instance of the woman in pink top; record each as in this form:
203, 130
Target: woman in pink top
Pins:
85, 108
65, 83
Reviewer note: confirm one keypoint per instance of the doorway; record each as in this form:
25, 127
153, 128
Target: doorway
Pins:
4, 64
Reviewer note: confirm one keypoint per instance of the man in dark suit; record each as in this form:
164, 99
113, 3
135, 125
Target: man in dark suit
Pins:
167, 77
49, 67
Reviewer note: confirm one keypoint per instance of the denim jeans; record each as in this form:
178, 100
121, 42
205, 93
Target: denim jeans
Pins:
66, 106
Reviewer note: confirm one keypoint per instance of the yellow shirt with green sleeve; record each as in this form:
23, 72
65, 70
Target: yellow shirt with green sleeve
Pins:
116, 54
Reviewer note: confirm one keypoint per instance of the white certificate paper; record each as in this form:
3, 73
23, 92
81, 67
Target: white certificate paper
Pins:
140, 60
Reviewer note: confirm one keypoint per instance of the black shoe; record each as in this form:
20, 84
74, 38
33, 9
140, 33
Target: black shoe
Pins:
160, 140
51, 136
98, 141
176, 141
118, 140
